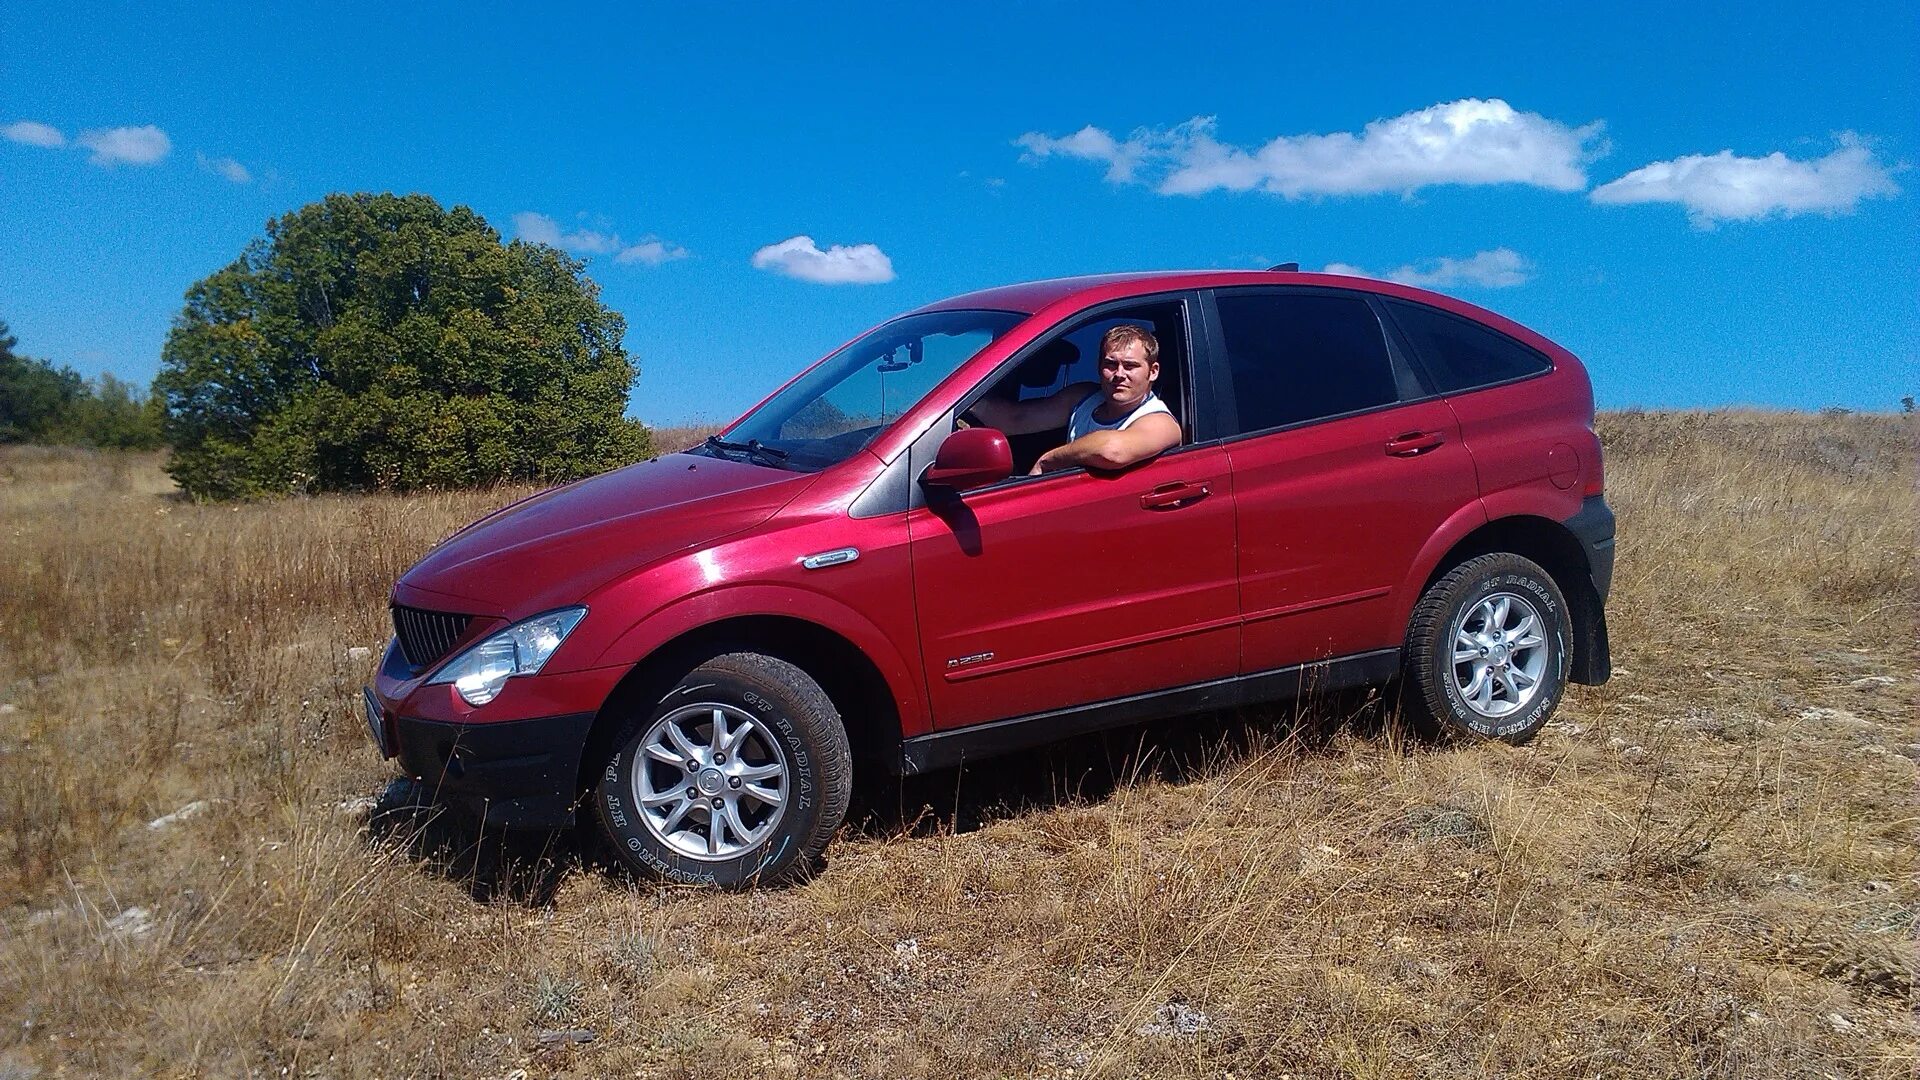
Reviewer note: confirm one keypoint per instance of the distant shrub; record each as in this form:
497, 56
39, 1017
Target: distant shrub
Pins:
385, 342
41, 403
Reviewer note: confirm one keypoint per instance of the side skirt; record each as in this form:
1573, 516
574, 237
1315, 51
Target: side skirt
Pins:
944, 749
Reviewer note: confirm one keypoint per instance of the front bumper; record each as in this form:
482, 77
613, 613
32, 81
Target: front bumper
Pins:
514, 762
519, 774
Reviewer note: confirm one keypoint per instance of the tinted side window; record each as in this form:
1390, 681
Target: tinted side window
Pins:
1303, 356
1460, 354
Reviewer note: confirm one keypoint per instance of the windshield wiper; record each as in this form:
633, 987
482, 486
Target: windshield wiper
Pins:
753, 448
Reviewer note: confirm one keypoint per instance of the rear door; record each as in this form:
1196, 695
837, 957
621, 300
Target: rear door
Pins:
1343, 467
1041, 593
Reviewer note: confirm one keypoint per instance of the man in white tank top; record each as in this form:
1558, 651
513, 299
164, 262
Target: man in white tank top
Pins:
1110, 425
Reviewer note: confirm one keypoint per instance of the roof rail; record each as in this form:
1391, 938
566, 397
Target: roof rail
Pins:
1285, 267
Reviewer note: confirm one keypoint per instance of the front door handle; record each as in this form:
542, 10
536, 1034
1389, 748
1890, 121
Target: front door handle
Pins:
1415, 443
1173, 496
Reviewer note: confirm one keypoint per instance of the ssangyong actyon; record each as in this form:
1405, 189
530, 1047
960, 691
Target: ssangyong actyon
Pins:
1371, 483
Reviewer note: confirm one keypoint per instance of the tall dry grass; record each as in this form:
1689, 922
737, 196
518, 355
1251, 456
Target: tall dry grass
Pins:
1703, 868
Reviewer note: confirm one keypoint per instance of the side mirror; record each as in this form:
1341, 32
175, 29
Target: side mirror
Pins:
969, 458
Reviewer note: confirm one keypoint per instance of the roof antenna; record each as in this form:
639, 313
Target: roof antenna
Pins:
1285, 267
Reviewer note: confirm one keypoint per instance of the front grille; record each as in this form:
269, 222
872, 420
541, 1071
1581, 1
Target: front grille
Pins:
426, 636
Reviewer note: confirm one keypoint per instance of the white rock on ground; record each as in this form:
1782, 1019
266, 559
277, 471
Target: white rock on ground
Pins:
132, 922
359, 652
191, 810
358, 808
1177, 1018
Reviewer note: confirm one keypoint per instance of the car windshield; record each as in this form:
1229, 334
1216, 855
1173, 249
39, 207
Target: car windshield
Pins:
833, 411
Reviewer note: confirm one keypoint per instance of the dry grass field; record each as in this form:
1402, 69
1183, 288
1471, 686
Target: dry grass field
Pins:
1704, 868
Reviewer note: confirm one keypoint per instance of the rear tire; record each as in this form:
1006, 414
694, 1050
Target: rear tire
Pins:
739, 775
1487, 650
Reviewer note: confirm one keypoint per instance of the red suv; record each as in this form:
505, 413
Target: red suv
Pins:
1373, 483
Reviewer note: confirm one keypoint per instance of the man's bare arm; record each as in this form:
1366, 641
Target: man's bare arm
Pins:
1026, 417
1146, 437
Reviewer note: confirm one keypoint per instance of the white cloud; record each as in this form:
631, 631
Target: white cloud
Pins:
33, 133
226, 167
651, 252
1499, 268
143, 145
800, 257
1459, 142
1723, 187
541, 229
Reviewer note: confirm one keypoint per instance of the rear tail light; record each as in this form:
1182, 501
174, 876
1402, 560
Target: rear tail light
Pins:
1596, 478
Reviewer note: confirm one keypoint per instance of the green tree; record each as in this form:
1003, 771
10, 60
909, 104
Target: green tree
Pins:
114, 415
35, 396
385, 342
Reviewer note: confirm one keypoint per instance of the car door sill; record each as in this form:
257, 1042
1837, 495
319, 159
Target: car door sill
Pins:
978, 742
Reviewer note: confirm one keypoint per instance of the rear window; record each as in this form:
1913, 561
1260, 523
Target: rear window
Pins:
1461, 354
1303, 356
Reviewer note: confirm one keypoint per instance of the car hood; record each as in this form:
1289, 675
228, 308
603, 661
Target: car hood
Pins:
555, 548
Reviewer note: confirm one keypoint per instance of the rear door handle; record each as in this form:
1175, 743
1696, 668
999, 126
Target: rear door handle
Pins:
1172, 496
1414, 443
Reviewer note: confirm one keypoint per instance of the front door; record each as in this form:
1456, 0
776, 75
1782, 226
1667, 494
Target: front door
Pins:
1047, 592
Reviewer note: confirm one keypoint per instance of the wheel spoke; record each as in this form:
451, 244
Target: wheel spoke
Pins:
681, 742
661, 753
1527, 625
1498, 619
717, 740
1485, 696
1514, 677
716, 831
662, 798
1509, 687
764, 794
760, 772
738, 826
1472, 689
674, 819
738, 737
1471, 652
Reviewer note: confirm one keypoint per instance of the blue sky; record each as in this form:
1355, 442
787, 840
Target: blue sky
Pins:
1564, 168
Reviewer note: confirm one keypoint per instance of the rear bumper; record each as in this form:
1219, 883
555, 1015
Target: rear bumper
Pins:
1592, 652
1593, 527
517, 774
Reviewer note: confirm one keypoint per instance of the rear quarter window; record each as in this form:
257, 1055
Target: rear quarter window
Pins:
1460, 354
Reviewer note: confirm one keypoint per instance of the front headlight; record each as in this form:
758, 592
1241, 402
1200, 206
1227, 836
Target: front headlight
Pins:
483, 669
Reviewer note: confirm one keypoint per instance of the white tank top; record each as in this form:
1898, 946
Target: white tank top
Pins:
1083, 422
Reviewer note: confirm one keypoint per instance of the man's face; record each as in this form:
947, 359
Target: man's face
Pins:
1126, 375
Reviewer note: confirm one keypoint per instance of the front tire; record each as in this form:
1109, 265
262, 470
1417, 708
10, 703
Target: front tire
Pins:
739, 775
1487, 649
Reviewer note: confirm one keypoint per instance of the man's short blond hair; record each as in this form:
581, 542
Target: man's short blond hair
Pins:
1128, 332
